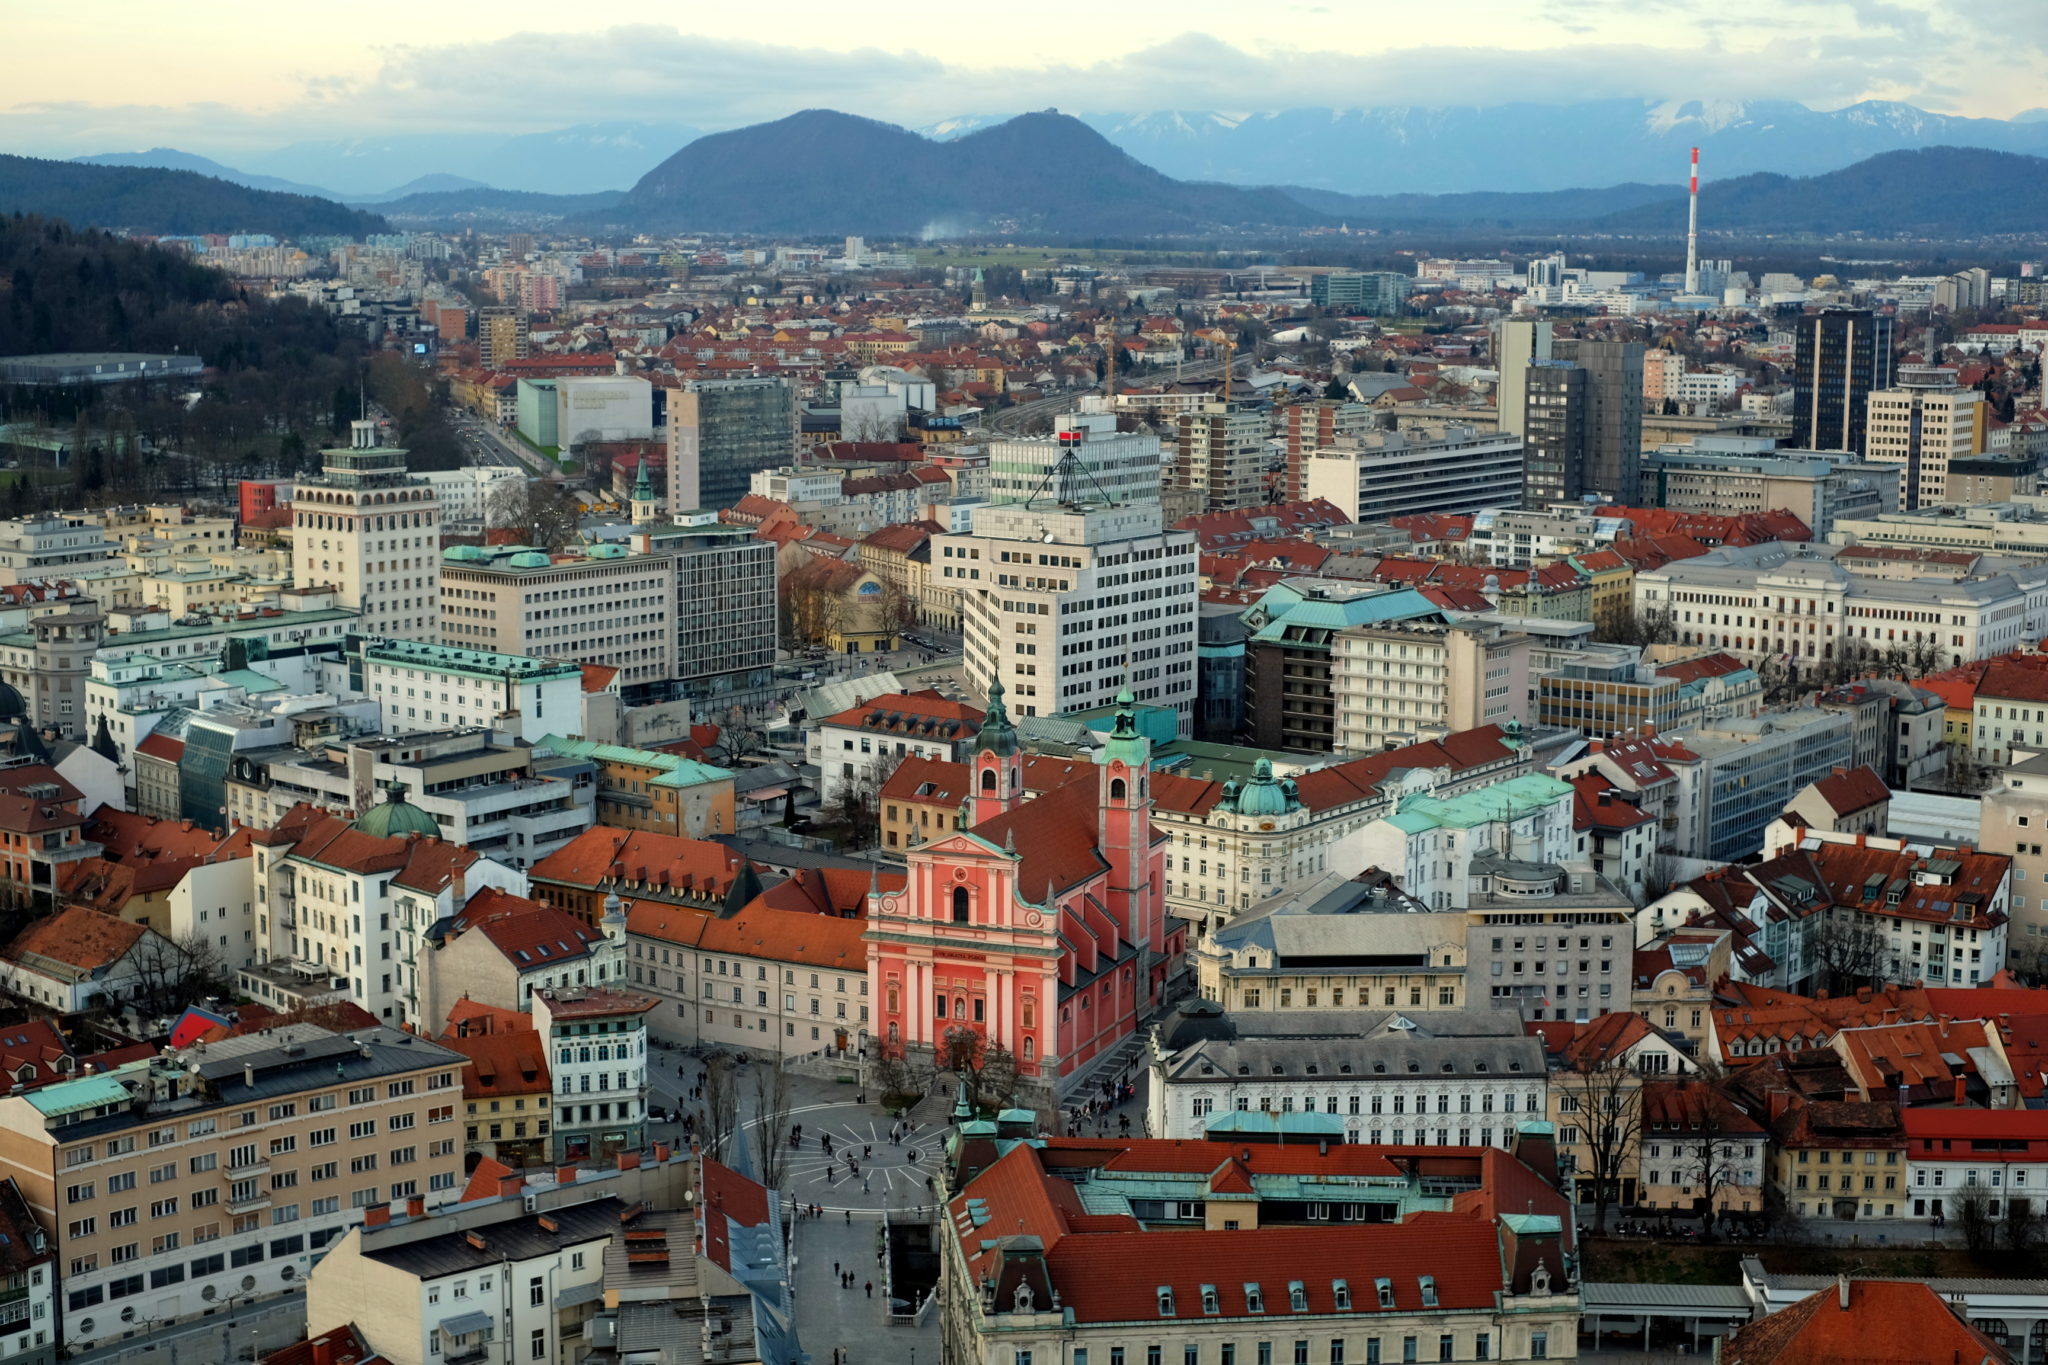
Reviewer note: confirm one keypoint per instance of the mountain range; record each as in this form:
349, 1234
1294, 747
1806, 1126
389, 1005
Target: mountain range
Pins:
821, 172
1377, 149
1393, 149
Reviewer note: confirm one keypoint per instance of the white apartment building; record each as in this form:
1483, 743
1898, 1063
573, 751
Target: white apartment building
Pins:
606, 605
1219, 456
465, 494
438, 687
1113, 467
1921, 425
372, 532
1403, 680
53, 546
605, 407
1799, 604
1067, 605
1450, 468
597, 1057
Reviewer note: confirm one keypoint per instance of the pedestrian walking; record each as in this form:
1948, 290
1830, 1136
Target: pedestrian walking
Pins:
871, 1289
836, 1270
849, 1218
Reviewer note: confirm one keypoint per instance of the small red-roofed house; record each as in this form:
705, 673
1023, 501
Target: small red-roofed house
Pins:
500, 948
1846, 801
79, 958
506, 1091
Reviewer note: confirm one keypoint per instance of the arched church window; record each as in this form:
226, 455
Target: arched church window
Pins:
959, 905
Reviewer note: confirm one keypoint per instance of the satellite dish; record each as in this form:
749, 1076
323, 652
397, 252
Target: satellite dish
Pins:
1048, 537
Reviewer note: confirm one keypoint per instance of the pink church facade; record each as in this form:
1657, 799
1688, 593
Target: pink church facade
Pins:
1041, 926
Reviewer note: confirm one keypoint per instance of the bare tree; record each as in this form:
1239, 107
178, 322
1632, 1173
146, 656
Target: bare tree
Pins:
2022, 1226
544, 511
997, 1081
1603, 1095
170, 974
771, 1124
1847, 949
718, 1114
870, 426
1973, 1216
811, 613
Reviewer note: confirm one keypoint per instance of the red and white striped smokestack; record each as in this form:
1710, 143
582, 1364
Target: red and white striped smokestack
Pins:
1692, 230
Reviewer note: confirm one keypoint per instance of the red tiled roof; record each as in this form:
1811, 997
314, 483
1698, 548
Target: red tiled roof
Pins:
1358, 780
598, 677
528, 933
602, 854
1848, 790
501, 1064
163, 747
343, 1345
730, 1200
925, 713
759, 931
78, 938
1057, 835
1705, 666
1886, 1322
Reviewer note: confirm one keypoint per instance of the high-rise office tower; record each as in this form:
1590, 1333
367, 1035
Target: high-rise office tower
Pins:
1107, 465
371, 531
1582, 430
1614, 423
1518, 342
1843, 356
1553, 432
1922, 424
721, 432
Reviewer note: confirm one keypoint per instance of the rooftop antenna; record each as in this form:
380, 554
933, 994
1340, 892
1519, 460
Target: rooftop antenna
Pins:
1692, 230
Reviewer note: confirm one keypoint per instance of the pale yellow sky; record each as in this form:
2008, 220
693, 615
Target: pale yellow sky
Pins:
229, 72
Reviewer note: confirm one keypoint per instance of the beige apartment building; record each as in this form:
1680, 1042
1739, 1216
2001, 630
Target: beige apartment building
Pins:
607, 605
1399, 682
2015, 822
1921, 425
170, 1184
372, 532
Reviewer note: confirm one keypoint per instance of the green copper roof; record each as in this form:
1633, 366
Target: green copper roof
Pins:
997, 735
1509, 800
396, 818
1125, 744
1262, 795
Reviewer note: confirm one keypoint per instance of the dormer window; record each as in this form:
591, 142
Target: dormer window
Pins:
1342, 1293
1297, 1296
1428, 1291
1165, 1301
1254, 1299
1385, 1289
1209, 1303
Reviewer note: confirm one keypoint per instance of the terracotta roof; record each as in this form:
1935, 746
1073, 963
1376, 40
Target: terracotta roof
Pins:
529, 934
1358, 780
602, 855
1057, 835
127, 837
1692, 1106
501, 1064
342, 1345
467, 1017
486, 1180
730, 1200
1848, 790
926, 714
30, 1052
84, 940
1596, 805
1705, 666
163, 747
759, 931
598, 677
23, 814
1885, 1322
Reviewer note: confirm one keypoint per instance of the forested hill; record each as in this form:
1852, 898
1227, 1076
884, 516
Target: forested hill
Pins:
146, 199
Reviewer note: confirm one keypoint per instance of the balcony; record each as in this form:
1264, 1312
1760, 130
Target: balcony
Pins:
14, 1308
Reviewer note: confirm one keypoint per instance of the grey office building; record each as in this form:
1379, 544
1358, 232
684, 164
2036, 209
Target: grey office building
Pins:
1582, 424
1841, 357
721, 432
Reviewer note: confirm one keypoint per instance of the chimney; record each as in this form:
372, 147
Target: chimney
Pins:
249, 1075
458, 884
1842, 1290
416, 1206
323, 1351
1959, 1092
476, 1239
661, 1153
629, 1161
565, 1175
509, 1185
377, 1215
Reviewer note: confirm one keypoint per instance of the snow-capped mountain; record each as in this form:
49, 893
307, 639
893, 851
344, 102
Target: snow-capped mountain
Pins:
1396, 148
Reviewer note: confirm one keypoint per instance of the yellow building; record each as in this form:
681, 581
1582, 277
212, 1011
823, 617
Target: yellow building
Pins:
654, 791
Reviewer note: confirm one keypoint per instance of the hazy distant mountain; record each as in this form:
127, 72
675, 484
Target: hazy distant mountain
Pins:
580, 160
145, 199
171, 159
1516, 147
1942, 192
1952, 193
825, 172
437, 183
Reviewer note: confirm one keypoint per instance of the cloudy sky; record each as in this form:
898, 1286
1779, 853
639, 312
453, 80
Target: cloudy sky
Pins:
223, 75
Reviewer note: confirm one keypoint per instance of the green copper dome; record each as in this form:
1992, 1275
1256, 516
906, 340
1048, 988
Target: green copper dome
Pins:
1264, 796
1125, 744
397, 817
997, 735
